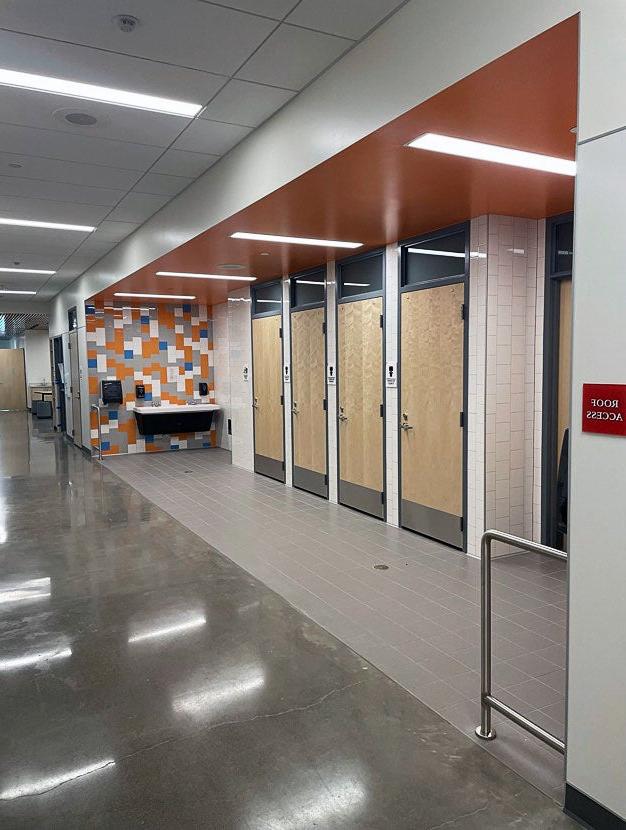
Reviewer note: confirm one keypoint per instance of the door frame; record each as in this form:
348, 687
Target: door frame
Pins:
339, 300
436, 283
549, 414
253, 316
73, 333
321, 270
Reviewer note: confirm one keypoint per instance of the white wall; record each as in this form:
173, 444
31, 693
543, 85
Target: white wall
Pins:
37, 359
221, 372
240, 341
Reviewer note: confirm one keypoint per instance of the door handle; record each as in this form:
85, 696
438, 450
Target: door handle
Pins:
404, 425
294, 408
256, 403
342, 417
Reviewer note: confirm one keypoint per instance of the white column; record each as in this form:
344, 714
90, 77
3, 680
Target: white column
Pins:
392, 265
331, 360
287, 386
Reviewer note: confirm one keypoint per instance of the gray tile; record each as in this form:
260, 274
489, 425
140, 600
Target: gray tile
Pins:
536, 693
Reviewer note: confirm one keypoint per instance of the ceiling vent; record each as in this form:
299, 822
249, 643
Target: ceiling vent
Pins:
81, 119
126, 22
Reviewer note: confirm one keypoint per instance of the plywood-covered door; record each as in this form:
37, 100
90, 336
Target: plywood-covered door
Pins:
431, 432
360, 363
12, 379
77, 431
308, 394
268, 396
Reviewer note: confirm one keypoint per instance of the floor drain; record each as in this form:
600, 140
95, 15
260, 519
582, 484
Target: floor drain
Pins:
381, 567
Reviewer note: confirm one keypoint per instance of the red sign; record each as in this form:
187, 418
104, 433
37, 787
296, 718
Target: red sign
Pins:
604, 408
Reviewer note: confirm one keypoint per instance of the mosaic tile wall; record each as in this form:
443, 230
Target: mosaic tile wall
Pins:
137, 346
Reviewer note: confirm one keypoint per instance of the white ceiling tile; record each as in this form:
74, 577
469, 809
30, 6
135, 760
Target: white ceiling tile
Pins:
185, 33
23, 282
93, 66
349, 18
212, 137
44, 111
16, 244
54, 170
48, 211
270, 8
161, 185
58, 192
48, 260
79, 148
114, 231
137, 207
292, 57
182, 163
241, 102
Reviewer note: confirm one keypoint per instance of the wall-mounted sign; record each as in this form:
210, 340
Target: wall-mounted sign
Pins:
390, 375
287, 374
245, 374
330, 375
604, 408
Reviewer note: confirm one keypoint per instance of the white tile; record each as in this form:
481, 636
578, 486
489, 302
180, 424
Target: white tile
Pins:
210, 137
248, 104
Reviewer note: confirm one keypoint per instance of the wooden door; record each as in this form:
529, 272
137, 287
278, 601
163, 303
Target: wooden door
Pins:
431, 441
267, 373
77, 430
12, 379
360, 375
308, 395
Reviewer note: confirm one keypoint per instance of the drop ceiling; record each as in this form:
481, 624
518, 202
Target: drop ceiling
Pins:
242, 59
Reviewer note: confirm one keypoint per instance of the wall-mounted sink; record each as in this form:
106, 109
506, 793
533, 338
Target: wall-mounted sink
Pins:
169, 419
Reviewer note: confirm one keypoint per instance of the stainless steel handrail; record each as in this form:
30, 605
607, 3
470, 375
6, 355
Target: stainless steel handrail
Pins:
97, 408
487, 700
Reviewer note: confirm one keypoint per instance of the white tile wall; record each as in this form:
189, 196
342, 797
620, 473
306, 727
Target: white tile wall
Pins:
392, 265
331, 360
240, 342
221, 370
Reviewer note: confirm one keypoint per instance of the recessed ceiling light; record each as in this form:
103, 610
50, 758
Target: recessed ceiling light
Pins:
265, 253
156, 296
230, 266
93, 92
8, 291
25, 271
81, 119
295, 240
55, 226
15, 165
190, 275
492, 152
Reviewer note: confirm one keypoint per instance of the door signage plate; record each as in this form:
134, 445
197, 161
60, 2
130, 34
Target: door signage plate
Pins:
604, 408
331, 375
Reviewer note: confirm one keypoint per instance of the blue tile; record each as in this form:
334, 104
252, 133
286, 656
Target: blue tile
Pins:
162, 345
149, 439
174, 447
148, 396
128, 354
189, 367
186, 307
112, 414
144, 319
105, 445
204, 332
92, 363
205, 444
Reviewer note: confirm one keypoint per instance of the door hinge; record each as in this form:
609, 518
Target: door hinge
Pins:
462, 524
462, 311
323, 328
382, 498
324, 404
280, 332
381, 321
283, 465
461, 419
326, 479
382, 410
282, 400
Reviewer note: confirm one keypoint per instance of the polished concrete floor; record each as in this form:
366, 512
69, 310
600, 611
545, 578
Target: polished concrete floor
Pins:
418, 620
148, 681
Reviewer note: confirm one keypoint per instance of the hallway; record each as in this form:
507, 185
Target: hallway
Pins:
149, 681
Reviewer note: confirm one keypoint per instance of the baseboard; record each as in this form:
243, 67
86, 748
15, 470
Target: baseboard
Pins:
591, 814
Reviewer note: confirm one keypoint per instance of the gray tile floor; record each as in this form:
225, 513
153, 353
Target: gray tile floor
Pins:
417, 620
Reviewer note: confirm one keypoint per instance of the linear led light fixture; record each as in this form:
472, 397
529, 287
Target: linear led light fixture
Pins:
310, 282
295, 240
11, 291
276, 302
93, 92
193, 276
53, 226
156, 296
357, 284
25, 271
435, 253
492, 152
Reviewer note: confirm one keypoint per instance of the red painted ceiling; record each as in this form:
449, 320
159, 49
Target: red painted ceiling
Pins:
379, 191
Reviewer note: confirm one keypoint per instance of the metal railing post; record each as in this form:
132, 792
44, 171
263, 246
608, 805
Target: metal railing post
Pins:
487, 700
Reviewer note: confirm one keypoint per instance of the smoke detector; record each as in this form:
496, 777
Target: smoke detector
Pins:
126, 22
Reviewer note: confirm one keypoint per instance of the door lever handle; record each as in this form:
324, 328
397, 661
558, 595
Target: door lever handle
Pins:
343, 417
255, 403
406, 426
